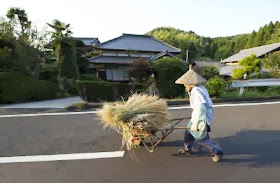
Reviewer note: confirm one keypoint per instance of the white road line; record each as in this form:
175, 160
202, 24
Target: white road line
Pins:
47, 114
240, 156
228, 105
94, 112
61, 157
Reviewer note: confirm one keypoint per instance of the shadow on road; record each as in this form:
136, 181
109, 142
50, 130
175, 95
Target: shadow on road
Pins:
253, 148
257, 148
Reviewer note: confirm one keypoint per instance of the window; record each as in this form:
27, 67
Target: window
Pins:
117, 74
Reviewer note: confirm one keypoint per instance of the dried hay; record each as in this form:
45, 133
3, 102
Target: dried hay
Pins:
139, 116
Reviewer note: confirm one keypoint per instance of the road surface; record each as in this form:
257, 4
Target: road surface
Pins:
248, 134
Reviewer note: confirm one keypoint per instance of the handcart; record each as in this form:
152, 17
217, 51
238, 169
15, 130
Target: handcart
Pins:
151, 140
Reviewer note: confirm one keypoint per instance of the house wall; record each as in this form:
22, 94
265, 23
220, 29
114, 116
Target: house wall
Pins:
127, 53
113, 72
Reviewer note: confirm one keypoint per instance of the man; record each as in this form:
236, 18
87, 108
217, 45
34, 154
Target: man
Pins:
202, 115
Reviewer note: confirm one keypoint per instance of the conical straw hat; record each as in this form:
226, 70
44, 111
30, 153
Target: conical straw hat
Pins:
191, 78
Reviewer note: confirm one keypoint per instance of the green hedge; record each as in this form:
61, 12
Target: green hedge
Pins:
90, 77
167, 71
96, 91
15, 87
216, 87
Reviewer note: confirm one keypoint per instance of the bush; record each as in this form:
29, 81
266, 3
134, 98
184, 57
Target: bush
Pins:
78, 106
216, 87
96, 91
70, 86
90, 77
272, 63
251, 64
209, 71
259, 75
167, 70
15, 87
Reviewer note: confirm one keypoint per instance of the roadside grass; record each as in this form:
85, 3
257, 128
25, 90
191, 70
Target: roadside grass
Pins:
79, 106
253, 93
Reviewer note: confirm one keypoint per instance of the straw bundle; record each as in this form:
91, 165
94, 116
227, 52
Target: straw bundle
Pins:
140, 115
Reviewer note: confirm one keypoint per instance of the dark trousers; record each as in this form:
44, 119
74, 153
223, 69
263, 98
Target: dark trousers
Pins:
206, 142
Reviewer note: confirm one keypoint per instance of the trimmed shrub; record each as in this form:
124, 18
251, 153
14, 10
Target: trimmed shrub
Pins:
90, 77
216, 87
96, 91
70, 86
167, 70
259, 75
208, 72
15, 87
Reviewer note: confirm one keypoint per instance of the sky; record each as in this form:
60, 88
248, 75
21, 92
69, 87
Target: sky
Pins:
107, 19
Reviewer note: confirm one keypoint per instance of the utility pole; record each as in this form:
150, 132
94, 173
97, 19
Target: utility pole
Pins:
187, 56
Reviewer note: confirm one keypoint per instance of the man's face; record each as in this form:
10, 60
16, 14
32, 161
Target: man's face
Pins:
188, 87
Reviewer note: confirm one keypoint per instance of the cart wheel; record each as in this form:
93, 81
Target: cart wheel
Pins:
151, 149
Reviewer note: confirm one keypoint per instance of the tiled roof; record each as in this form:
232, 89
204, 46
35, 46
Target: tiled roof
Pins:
89, 41
258, 51
137, 43
161, 54
202, 63
227, 70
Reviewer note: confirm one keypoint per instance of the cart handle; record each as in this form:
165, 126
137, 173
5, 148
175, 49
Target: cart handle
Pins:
182, 127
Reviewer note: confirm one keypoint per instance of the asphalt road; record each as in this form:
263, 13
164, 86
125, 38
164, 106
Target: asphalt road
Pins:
249, 136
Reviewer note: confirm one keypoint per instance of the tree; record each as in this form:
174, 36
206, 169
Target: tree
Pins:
251, 39
251, 64
259, 38
272, 63
6, 29
19, 16
61, 31
141, 69
209, 71
7, 55
167, 70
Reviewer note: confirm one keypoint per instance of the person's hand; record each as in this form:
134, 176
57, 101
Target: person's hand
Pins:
194, 128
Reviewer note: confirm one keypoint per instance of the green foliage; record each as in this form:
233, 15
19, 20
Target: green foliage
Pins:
15, 87
16, 51
216, 48
141, 69
208, 72
47, 72
69, 60
19, 16
251, 64
70, 86
167, 70
259, 75
238, 73
253, 93
216, 87
97, 91
83, 62
90, 77
272, 63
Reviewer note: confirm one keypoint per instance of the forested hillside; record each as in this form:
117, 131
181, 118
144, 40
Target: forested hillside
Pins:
216, 48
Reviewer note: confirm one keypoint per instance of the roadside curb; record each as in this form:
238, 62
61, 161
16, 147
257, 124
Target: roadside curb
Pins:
214, 100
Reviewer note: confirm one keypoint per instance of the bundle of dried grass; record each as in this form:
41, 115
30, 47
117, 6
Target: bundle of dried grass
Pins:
139, 116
